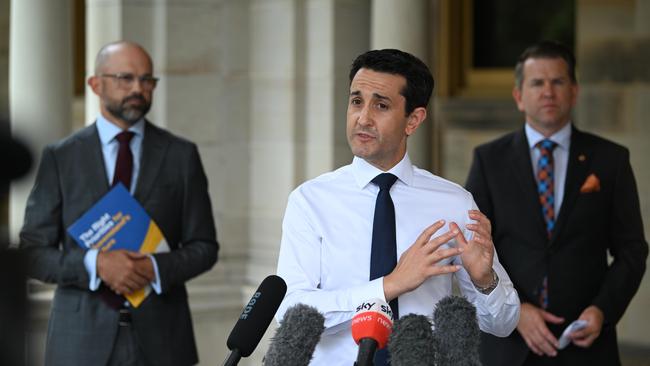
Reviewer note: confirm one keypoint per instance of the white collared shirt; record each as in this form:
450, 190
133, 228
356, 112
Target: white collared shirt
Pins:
326, 244
560, 158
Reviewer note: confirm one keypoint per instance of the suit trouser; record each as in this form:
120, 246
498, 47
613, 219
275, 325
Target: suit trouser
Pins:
126, 351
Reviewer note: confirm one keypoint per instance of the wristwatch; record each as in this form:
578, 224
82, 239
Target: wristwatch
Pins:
488, 289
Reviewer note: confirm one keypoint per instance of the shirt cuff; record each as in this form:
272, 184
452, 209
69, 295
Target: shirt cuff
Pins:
90, 262
493, 301
155, 284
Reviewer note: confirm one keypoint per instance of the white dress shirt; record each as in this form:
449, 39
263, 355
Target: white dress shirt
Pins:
560, 158
326, 244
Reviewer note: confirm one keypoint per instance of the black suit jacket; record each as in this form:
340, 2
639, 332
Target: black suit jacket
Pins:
589, 226
172, 188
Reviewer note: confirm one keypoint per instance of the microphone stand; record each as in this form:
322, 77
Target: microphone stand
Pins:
233, 358
367, 348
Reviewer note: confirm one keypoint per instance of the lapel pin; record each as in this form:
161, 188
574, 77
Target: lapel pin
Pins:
582, 158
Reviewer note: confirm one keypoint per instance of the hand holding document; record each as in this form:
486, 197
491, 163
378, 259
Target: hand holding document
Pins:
118, 221
565, 340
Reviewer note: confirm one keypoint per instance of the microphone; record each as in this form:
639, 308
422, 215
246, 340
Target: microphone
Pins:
296, 337
255, 318
411, 342
371, 326
456, 334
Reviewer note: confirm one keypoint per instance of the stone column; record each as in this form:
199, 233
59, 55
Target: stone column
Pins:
40, 97
274, 126
403, 25
40, 84
4, 64
5, 128
103, 25
613, 39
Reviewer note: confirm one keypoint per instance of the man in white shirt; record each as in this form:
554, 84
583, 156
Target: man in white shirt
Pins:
327, 238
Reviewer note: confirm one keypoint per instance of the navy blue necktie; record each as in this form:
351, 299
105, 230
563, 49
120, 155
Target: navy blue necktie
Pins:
383, 256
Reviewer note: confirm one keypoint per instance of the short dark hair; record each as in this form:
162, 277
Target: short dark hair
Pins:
546, 49
419, 82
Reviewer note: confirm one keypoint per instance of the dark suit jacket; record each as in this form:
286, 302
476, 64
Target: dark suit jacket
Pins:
172, 188
589, 226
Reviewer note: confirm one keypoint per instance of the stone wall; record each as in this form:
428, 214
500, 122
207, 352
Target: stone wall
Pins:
613, 52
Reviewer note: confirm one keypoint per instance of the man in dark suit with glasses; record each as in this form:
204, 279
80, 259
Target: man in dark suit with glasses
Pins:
90, 323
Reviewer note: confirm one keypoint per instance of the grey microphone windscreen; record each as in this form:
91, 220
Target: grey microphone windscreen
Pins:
456, 334
296, 337
411, 342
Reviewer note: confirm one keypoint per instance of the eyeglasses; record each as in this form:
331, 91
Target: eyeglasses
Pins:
125, 81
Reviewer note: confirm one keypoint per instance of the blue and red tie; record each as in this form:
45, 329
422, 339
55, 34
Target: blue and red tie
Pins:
546, 191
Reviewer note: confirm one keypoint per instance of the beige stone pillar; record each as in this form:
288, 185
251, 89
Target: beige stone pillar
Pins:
40, 99
273, 125
40, 84
614, 102
103, 25
403, 25
4, 65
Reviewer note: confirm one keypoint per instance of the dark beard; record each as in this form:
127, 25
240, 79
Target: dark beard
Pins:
129, 114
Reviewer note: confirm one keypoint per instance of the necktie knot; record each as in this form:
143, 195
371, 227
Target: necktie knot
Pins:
124, 137
385, 180
546, 145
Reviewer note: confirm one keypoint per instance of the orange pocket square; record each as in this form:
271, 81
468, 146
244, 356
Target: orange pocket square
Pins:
591, 184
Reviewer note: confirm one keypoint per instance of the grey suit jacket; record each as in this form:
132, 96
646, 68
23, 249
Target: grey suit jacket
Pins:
172, 188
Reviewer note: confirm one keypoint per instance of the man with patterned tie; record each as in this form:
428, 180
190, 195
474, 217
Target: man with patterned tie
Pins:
90, 323
559, 200
383, 228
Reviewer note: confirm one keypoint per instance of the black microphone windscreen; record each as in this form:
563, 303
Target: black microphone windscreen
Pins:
296, 337
257, 315
456, 334
411, 342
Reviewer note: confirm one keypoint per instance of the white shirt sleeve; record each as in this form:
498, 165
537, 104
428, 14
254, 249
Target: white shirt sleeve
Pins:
155, 284
90, 262
299, 265
498, 312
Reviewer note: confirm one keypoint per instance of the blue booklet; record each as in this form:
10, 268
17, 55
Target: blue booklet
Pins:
118, 221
